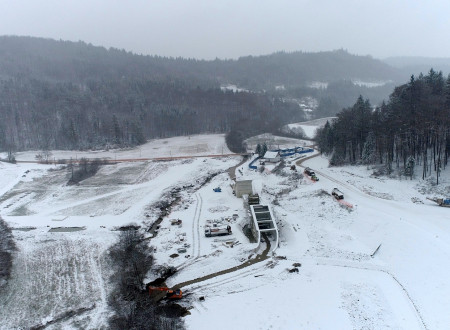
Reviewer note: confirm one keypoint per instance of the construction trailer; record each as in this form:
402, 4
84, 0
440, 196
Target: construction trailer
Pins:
218, 231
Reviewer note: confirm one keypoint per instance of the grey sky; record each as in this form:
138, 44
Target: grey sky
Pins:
233, 28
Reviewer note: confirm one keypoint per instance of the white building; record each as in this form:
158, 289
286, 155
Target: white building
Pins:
272, 156
243, 187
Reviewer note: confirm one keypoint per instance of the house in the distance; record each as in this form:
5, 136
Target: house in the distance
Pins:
272, 156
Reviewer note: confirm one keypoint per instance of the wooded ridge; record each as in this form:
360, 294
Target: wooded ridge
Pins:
411, 129
73, 95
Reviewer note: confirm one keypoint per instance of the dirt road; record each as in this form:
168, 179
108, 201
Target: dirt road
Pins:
260, 257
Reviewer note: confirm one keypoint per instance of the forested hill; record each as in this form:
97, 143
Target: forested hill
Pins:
65, 61
59, 94
417, 64
47, 59
299, 68
412, 129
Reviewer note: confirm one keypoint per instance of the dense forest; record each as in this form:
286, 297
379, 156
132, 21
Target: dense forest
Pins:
46, 59
73, 95
38, 114
412, 129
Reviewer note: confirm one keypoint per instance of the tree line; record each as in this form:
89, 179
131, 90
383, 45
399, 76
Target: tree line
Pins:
73, 95
130, 301
37, 114
65, 61
411, 129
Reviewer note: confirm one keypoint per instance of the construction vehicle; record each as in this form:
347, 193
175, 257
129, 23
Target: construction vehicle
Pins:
176, 222
218, 231
337, 193
311, 173
170, 293
445, 202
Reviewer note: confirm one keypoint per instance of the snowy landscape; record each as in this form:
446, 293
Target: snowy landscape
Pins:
376, 260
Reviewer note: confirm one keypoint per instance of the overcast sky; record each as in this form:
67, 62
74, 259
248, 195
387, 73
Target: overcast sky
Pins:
232, 28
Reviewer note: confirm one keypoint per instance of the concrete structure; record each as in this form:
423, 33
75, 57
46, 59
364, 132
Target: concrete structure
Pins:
272, 156
243, 187
264, 222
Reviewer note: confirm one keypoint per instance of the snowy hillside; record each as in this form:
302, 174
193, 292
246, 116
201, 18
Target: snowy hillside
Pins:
307, 128
376, 260
195, 145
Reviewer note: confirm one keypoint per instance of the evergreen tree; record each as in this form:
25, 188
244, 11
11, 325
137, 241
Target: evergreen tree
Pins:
116, 131
369, 149
409, 169
258, 149
263, 149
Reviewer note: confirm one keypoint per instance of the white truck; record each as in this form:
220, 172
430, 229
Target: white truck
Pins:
218, 231
337, 193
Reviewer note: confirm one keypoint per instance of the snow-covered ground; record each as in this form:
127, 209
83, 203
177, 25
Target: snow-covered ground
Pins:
370, 84
194, 145
308, 128
340, 283
274, 142
234, 88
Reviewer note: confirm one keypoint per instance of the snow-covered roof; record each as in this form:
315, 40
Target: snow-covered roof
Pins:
271, 154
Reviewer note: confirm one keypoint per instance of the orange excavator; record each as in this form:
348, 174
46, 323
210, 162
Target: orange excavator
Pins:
170, 293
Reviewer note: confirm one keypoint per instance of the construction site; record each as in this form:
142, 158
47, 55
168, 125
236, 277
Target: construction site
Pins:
225, 233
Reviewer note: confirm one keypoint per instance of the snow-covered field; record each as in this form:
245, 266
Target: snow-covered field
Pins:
274, 142
195, 145
340, 283
308, 128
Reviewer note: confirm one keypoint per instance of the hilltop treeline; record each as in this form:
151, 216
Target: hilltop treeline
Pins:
52, 60
39, 114
412, 128
65, 95
73, 95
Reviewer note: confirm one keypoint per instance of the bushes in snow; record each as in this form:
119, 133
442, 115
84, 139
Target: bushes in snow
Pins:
132, 305
7, 247
86, 169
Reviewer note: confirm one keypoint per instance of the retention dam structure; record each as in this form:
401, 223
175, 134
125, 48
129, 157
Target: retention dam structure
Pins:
263, 222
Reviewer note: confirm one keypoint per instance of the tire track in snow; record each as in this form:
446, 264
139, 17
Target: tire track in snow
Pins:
375, 269
388, 203
392, 205
259, 258
96, 272
227, 279
195, 234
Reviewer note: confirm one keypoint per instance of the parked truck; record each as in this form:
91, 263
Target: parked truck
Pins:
337, 193
311, 173
218, 231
